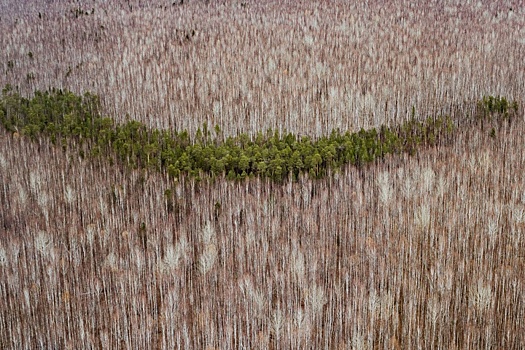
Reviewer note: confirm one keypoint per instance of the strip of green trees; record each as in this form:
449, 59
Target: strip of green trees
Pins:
70, 119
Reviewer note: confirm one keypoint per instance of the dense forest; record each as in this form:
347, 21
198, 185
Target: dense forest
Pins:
64, 117
271, 174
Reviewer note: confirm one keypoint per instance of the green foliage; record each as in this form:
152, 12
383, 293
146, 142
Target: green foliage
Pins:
497, 106
67, 118
79, 12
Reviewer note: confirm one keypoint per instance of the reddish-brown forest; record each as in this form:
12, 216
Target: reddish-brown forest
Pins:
423, 251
